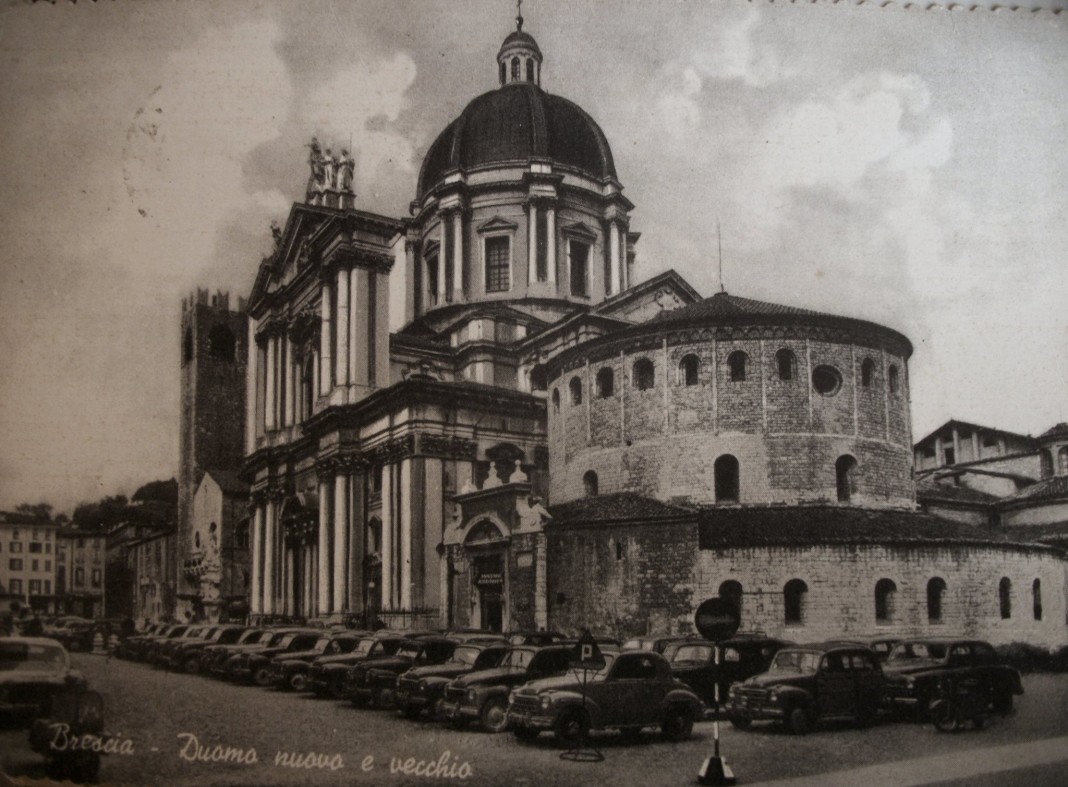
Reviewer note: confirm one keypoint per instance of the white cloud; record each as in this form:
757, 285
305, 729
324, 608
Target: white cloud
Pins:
735, 55
358, 102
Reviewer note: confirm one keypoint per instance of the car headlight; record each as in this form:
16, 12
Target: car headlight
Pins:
909, 683
773, 696
546, 701
470, 695
422, 685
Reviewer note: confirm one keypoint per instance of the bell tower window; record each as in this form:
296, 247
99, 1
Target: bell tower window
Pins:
530, 70
515, 69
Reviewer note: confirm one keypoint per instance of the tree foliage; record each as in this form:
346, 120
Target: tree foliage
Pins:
39, 510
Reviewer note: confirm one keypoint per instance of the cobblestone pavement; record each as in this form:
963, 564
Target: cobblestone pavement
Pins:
162, 712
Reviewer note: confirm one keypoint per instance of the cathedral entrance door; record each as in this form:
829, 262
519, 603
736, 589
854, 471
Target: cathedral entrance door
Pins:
489, 581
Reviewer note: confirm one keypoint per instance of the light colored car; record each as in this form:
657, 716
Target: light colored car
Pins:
32, 671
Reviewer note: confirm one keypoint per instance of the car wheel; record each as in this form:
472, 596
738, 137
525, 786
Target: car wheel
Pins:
1003, 702
494, 715
299, 682
799, 721
943, 718
525, 733
741, 722
572, 727
412, 712
337, 691
192, 666
677, 724
262, 677
385, 699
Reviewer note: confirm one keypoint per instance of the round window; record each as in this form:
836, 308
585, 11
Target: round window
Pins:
826, 380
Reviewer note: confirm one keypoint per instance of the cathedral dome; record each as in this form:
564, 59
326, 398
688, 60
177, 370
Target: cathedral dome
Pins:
517, 123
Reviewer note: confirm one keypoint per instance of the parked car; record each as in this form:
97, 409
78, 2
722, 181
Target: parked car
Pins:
255, 665
374, 683
880, 646
188, 656
538, 638
328, 674
808, 684
633, 690
32, 671
693, 663
164, 652
656, 644
137, 648
216, 656
483, 696
422, 688
290, 670
915, 667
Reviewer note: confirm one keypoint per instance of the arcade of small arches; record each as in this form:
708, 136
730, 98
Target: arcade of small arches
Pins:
884, 599
826, 379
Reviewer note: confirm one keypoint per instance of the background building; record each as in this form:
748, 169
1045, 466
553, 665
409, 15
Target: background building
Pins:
80, 572
28, 560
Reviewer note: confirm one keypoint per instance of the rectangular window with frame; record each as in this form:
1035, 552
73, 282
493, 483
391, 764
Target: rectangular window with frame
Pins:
579, 256
96, 577
35, 546
35, 587
16, 587
15, 564
16, 546
498, 263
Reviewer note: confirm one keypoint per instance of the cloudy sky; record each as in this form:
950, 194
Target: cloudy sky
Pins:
904, 166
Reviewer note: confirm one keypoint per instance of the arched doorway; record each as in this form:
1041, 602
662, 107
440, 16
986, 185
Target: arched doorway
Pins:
487, 554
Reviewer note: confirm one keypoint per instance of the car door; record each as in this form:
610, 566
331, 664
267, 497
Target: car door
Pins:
835, 691
869, 682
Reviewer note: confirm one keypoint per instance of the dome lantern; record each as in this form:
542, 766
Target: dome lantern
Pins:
519, 59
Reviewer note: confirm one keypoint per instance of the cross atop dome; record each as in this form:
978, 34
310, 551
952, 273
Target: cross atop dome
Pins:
519, 59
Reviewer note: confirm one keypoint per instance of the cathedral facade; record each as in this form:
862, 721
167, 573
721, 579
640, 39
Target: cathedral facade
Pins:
477, 415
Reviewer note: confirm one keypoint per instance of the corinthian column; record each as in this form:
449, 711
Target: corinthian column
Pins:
325, 331
270, 557
324, 548
341, 541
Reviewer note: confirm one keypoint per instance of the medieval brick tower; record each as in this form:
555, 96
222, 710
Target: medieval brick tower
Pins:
214, 355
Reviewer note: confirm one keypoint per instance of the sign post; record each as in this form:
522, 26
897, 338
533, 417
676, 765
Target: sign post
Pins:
587, 657
716, 619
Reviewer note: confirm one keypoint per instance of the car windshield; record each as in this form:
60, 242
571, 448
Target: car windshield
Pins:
31, 656
279, 639
408, 652
795, 661
702, 653
321, 644
518, 658
465, 656
364, 647
340, 645
251, 637
909, 651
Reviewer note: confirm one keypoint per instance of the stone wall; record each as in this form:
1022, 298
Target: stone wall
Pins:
630, 580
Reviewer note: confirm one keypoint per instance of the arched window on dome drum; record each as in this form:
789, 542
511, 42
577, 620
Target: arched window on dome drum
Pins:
726, 474
845, 471
793, 597
537, 378
1005, 598
605, 383
936, 592
689, 370
1036, 598
530, 70
737, 366
867, 372
786, 362
644, 375
556, 400
589, 483
576, 390
731, 591
892, 379
885, 590
515, 69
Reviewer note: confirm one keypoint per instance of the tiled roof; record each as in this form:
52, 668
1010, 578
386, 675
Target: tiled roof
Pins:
724, 305
804, 525
612, 508
1055, 533
960, 494
1057, 430
1050, 489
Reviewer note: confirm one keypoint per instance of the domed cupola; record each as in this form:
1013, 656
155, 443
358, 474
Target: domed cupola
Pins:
519, 59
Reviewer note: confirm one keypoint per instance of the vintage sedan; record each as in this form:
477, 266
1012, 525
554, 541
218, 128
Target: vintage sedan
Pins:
290, 670
190, 656
693, 663
483, 696
633, 690
808, 684
256, 665
373, 684
216, 656
915, 667
422, 687
328, 674
33, 670
233, 665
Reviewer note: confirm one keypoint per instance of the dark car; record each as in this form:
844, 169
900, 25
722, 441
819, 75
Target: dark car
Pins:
422, 687
165, 656
135, 648
374, 683
149, 647
693, 663
880, 646
255, 665
328, 674
656, 644
483, 695
808, 684
189, 656
233, 664
33, 670
539, 638
216, 656
290, 670
915, 667
633, 690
